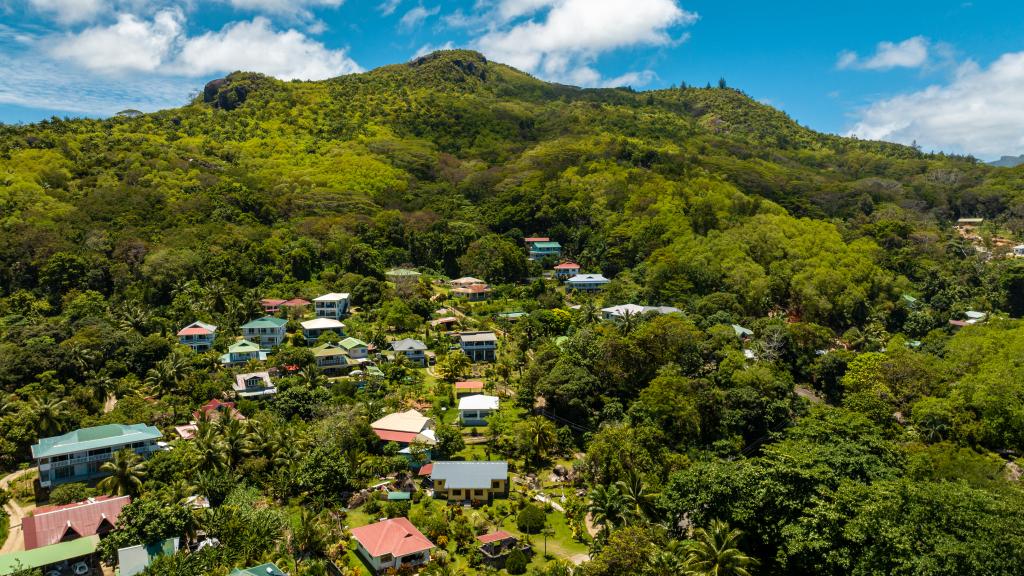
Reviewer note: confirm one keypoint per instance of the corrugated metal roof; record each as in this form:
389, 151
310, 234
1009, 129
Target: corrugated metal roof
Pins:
469, 475
32, 559
266, 322
106, 436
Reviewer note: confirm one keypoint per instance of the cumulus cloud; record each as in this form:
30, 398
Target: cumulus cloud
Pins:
130, 44
561, 39
910, 53
979, 111
416, 16
69, 11
287, 7
428, 48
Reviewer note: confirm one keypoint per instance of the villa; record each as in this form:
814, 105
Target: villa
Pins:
405, 428
539, 249
466, 282
241, 352
78, 455
479, 346
333, 305
267, 332
566, 270
331, 358
355, 348
198, 336
586, 282
474, 293
314, 329
413, 350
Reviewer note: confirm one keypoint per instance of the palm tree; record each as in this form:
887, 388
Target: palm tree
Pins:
666, 562
541, 437
312, 376
716, 551
638, 502
127, 470
606, 507
167, 373
234, 436
310, 535
49, 415
211, 450
134, 316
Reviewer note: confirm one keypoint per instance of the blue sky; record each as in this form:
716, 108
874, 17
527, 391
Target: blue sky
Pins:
946, 74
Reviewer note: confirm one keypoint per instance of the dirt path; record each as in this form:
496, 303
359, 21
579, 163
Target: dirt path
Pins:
15, 538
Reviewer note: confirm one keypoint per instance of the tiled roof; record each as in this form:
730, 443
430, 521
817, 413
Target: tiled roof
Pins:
106, 436
495, 537
469, 385
49, 524
396, 536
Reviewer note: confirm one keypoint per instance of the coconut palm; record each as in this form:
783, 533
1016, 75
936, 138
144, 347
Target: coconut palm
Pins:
234, 436
126, 471
167, 373
134, 316
715, 551
312, 376
49, 415
211, 449
310, 535
540, 437
666, 562
606, 507
638, 502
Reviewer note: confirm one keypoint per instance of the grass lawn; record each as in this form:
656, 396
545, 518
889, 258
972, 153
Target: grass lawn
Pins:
5, 527
559, 545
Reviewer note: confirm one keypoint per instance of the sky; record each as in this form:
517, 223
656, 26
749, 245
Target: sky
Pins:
946, 75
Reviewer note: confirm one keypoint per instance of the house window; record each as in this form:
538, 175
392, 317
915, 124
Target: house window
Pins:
495, 484
387, 558
63, 472
99, 452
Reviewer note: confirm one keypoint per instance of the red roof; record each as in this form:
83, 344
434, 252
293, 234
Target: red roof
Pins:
536, 239
494, 537
53, 524
469, 385
393, 436
214, 407
272, 301
396, 536
426, 469
194, 331
475, 289
568, 266
296, 302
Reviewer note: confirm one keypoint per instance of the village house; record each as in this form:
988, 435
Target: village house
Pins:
271, 306
495, 547
466, 282
472, 481
404, 428
392, 543
132, 560
623, 311
971, 317
474, 410
215, 409
241, 352
331, 358
413, 350
445, 323
314, 329
77, 456
479, 346
355, 348
474, 293
538, 248
467, 387
401, 274
742, 333
53, 524
198, 336
586, 282
333, 305
296, 306
254, 385
267, 332
566, 270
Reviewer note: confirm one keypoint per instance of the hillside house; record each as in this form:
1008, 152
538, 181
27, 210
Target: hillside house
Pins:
215, 409
566, 270
445, 323
474, 293
267, 332
401, 274
541, 249
413, 350
133, 560
331, 359
271, 306
404, 428
466, 282
296, 306
355, 348
241, 352
333, 305
254, 385
268, 569
479, 346
468, 387
623, 311
586, 282
391, 544
314, 329
476, 409
78, 455
473, 481
495, 547
49, 525
742, 333
198, 336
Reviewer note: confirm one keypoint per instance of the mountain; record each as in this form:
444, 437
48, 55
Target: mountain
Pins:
1008, 161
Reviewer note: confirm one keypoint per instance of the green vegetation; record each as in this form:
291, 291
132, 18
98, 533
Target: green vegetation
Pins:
851, 429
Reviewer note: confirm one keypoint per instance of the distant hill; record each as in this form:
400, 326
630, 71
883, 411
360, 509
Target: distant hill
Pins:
1008, 161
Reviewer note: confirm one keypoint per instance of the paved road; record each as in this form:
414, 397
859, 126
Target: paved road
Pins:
15, 538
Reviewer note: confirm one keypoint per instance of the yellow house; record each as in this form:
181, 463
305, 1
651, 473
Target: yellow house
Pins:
469, 481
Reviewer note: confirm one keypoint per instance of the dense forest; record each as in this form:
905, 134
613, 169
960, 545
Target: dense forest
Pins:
853, 431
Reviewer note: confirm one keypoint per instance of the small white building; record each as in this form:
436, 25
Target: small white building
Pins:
333, 305
624, 311
313, 329
474, 410
586, 282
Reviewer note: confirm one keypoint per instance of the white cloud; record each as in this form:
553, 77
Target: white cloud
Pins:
299, 8
979, 111
388, 7
910, 53
417, 16
428, 48
69, 11
130, 44
255, 46
561, 39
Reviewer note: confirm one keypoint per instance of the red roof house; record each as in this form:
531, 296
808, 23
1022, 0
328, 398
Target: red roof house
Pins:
54, 524
213, 410
469, 387
271, 305
532, 239
296, 303
392, 543
494, 537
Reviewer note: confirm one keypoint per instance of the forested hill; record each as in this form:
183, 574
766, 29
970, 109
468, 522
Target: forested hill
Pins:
820, 388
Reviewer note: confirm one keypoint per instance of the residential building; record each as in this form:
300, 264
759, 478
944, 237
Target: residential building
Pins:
272, 306
78, 455
476, 480
623, 311
72, 557
474, 293
314, 329
241, 352
392, 543
971, 317
466, 282
333, 305
445, 323
479, 346
474, 410
742, 333
135, 559
495, 547
215, 409
540, 250
586, 282
355, 348
404, 428
267, 332
331, 359
268, 569
53, 524
413, 350
296, 305
468, 387
969, 223
566, 270
198, 336
254, 385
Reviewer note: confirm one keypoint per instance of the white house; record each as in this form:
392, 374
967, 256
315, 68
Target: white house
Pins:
623, 311
474, 410
586, 282
313, 329
333, 305
479, 346
198, 336
254, 385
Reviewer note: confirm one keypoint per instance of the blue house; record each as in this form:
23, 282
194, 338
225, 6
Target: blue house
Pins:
78, 455
586, 282
241, 352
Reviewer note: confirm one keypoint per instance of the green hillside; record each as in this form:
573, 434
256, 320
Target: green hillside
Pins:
856, 432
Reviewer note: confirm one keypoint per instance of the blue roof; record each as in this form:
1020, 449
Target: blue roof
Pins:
474, 475
106, 436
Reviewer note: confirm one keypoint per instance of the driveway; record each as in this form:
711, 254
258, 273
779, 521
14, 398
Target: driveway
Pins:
15, 538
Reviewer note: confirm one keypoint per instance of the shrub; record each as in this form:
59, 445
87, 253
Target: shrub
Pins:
68, 493
531, 519
516, 562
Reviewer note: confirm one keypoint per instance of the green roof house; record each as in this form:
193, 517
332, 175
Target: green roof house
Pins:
268, 331
355, 347
77, 553
543, 249
331, 358
268, 569
241, 352
78, 455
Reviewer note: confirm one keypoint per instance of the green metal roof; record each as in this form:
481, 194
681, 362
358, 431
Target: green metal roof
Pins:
398, 496
268, 569
545, 245
106, 436
266, 322
350, 342
243, 346
328, 350
40, 557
